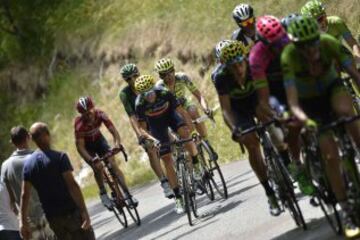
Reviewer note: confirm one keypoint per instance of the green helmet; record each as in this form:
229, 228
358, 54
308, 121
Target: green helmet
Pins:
144, 83
232, 52
303, 29
129, 70
164, 65
313, 8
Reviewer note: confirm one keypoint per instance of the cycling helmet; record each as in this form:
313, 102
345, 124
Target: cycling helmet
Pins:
303, 29
144, 83
269, 29
242, 12
220, 46
164, 65
129, 70
84, 104
285, 21
232, 52
313, 8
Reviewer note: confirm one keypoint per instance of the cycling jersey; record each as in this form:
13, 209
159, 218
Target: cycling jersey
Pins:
312, 80
165, 103
182, 82
91, 131
239, 35
160, 115
266, 68
128, 98
243, 100
337, 28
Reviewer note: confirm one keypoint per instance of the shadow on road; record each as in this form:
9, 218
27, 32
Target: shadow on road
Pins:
317, 229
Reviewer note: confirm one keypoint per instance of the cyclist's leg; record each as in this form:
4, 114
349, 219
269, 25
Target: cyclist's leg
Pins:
96, 167
155, 163
342, 105
330, 154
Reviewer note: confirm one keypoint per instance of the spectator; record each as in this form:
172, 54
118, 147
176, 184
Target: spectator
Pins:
9, 228
11, 175
50, 173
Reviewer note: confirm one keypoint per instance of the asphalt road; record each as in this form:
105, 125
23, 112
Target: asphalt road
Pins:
244, 215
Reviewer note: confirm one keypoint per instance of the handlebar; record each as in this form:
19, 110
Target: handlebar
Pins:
205, 117
258, 127
113, 152
180, 142
339, 122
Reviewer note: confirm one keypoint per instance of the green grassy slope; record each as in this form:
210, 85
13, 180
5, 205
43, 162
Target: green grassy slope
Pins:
96, 37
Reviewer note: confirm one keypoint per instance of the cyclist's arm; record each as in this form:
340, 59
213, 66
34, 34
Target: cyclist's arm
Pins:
228, 114
80, 146
293, 102
201, 100
143, 130
135, 125
185, 115
350, 40
116, 136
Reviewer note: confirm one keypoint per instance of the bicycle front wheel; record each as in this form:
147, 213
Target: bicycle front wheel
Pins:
186, 191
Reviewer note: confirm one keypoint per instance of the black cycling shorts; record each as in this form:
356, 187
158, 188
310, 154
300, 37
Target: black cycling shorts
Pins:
277, 90
245, 110
159, 129
320, 108
98, 147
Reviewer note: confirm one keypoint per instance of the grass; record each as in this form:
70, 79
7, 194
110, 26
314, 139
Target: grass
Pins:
148, 30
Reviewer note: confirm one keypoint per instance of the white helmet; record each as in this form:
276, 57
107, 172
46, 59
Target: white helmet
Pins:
242, 12
220, 46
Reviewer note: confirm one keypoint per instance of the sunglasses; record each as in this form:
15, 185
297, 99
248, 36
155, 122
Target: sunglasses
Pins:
132, 77
247, 22
165, 74
149, 93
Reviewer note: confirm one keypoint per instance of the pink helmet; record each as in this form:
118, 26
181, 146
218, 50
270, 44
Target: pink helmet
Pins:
269, 29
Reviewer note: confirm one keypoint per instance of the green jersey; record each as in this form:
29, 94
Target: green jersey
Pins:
312, 80
337, 28
128, 98
182, 82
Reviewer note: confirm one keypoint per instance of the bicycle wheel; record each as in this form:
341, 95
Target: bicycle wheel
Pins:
186, 191
216, 176
117, 202
133, 212
286, 190
206, 177
192, 195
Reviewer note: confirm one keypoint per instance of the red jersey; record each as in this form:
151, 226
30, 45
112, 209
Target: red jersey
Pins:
91, 131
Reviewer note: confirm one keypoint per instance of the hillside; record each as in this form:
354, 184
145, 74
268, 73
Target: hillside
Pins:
86, 43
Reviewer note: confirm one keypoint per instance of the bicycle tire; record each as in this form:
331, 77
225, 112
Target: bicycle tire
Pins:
206, 177
186, 192
287, 195
192, 196
134, 214
116, 198
214, 170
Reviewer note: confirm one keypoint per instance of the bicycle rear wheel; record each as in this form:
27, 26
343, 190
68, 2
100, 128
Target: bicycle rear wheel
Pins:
215, 174
116, 199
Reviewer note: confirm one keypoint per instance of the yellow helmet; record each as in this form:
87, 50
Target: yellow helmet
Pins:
144, 83
232, 51
164, 65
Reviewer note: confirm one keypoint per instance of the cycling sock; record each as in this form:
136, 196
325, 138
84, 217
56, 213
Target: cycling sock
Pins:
163, 180
268, 190
195, 159
102, 190
285, 157
177, 192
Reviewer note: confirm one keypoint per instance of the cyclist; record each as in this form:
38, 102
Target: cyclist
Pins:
266, 72
177, 83
285, 21
332, 25
243, 15
91, 144
238, 103
314, 91
157, 109
129, 73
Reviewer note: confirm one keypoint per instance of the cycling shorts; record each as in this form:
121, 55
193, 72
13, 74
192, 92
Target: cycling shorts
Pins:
277, 90
98, 147
244, 110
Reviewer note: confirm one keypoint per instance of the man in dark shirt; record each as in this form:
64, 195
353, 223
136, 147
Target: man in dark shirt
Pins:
50, 173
